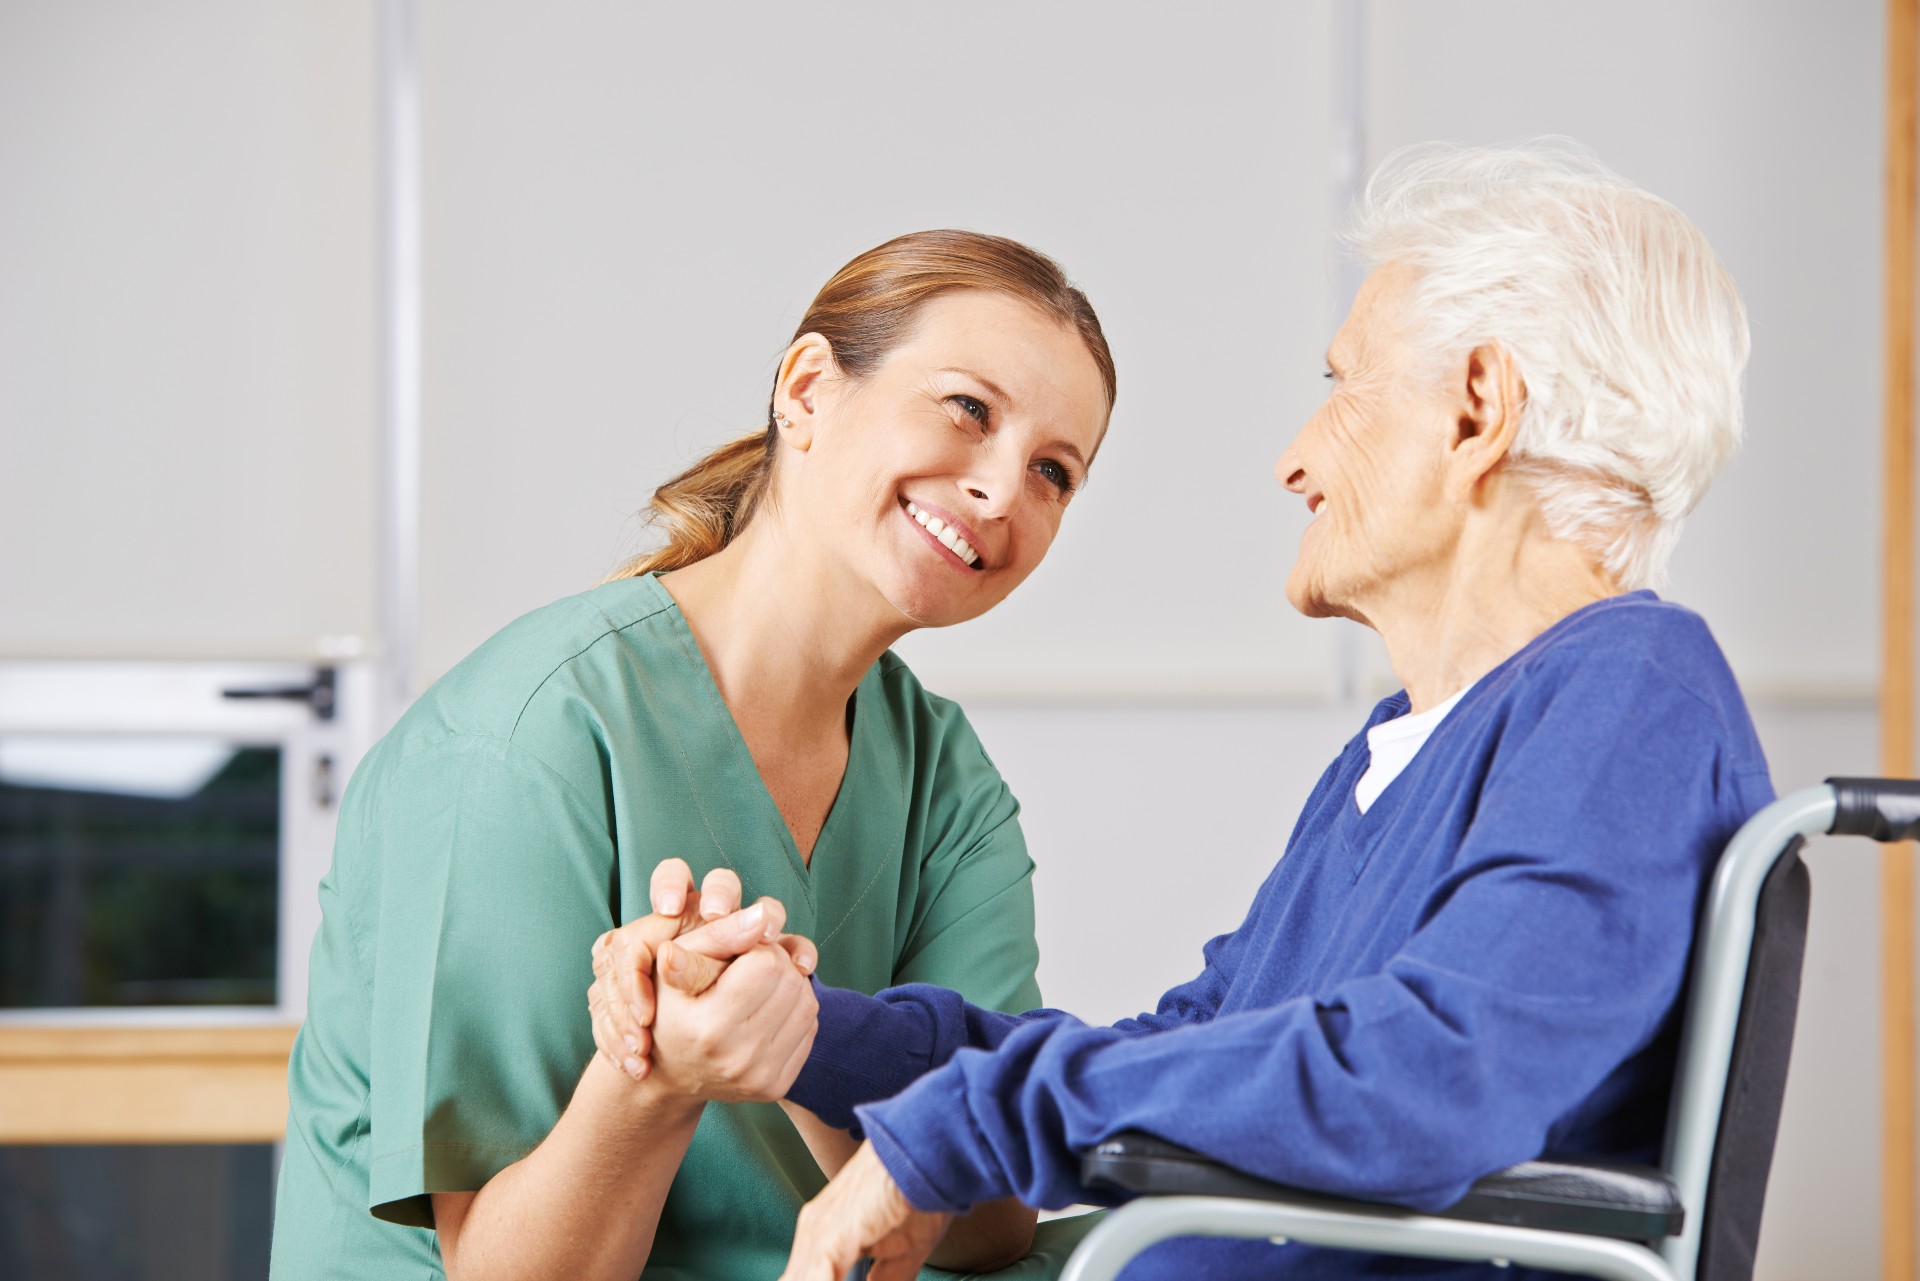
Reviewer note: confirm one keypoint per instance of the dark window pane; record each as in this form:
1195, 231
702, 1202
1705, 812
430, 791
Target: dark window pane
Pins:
148, 1213
137, 872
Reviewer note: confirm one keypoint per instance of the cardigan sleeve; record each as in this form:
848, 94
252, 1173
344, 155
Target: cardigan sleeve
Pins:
1551, 951
869, 1048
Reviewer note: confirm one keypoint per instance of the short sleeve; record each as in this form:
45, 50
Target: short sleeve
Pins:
972, 924
495, 880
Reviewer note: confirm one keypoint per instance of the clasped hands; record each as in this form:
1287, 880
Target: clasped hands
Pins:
707, 999
714, 1002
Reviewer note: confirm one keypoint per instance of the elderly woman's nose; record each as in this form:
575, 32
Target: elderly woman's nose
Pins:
1288, 471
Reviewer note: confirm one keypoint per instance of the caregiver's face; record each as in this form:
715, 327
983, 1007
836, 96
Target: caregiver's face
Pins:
1369, 462
945, 473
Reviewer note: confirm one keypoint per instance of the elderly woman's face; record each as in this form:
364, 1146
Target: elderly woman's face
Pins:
1369, 463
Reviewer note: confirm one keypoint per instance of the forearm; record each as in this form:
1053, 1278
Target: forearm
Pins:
872, 1047
586, 1202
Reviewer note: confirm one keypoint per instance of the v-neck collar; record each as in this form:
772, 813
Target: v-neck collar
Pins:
1368, 824
719, 735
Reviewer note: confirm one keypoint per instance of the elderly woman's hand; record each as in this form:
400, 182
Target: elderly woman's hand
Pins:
862, 1214
709, 932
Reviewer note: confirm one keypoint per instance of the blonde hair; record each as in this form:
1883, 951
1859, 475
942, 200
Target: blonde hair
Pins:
869, 307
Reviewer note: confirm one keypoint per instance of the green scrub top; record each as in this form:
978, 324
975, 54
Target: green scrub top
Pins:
513, 815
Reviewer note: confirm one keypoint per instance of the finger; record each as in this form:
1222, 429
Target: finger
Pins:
806, 957
801, 1041
626, 1042
815, 1260
627, 978
735, 935
625, 1050
719, 893
605, 1039
631, 958
669, 886
686, 971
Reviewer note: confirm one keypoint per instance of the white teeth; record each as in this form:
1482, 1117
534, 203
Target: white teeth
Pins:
950, 539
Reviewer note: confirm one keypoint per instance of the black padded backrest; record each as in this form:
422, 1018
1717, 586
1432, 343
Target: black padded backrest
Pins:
1757, 1075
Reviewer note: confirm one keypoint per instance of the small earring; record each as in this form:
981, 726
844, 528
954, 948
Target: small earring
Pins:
781, 421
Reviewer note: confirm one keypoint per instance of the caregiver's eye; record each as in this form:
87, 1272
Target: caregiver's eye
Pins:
972, 406
1056, 475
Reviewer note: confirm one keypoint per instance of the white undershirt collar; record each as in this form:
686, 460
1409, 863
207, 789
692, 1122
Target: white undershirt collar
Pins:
1392, 745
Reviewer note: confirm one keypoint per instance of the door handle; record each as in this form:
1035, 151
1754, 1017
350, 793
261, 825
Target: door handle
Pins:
317, 694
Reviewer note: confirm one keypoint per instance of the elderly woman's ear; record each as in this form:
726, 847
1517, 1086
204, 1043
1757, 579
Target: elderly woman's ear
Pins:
1492, 395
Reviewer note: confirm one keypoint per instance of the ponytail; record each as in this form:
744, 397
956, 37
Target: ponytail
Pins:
703, 507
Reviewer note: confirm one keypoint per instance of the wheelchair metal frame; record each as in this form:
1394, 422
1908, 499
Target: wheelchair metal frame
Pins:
1718, 982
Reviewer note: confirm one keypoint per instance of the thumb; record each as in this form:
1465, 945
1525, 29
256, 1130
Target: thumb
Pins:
686, 971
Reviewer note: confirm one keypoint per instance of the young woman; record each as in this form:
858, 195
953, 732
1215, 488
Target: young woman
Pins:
729, 702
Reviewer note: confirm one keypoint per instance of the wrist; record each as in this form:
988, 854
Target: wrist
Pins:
650, 1100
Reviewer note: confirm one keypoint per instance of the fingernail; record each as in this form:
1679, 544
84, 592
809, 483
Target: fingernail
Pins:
633, 1067
806, 964
634, 1010
753, 919
633, 1045
672, 903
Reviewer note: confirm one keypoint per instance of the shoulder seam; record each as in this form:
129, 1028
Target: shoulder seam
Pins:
611, 630
506, 747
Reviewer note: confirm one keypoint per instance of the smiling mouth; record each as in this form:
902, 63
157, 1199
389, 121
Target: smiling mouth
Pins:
944, 534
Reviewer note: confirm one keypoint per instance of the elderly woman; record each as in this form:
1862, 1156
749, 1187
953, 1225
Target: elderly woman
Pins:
1474, 948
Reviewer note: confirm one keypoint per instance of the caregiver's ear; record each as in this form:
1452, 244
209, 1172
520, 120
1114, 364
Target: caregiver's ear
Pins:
804, 373
1490, 396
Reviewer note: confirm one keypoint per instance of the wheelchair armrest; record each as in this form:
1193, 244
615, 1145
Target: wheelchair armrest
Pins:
1596, 1198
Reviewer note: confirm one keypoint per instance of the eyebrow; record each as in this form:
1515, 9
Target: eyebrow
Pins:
1068, 447
994, 389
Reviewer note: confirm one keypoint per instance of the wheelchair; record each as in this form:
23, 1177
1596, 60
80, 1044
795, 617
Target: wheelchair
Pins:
1695, 1217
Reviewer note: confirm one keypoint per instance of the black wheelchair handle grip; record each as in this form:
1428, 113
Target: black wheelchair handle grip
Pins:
1886, 809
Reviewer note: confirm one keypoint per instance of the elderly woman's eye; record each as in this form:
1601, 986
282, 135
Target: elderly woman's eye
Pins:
973, 407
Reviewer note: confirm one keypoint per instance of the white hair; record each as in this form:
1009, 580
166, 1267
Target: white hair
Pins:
1629, 335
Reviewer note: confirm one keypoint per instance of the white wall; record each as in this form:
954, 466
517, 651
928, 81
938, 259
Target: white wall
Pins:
627, 209
186, 308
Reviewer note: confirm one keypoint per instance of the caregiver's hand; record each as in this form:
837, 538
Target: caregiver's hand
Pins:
709, 931
862, 1214
743, 1039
